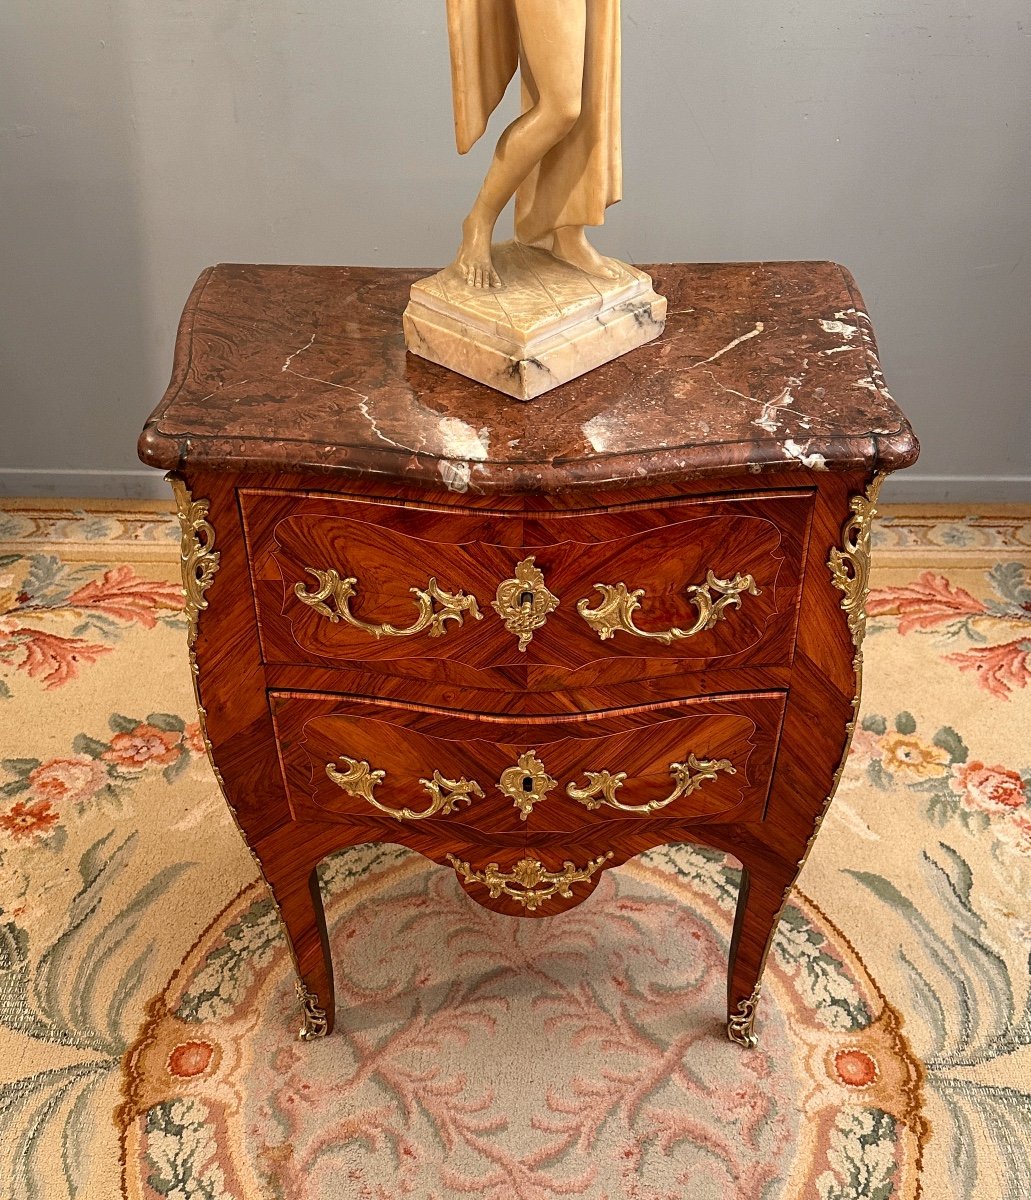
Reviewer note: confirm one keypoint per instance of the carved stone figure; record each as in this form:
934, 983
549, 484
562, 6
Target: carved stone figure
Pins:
533, 313
563, 153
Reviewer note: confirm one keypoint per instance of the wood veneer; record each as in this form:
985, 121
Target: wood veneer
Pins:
642, 742
660, 548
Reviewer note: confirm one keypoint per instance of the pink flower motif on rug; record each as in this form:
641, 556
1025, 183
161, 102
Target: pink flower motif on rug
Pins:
67, 780
102, 771
144, 744
33, 819
1017, 833
988, 788
1001, 669
934, 605
193, 739
45, 592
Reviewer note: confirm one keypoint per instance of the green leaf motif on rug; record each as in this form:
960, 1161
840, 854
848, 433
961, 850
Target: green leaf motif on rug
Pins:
183, 1153
21, 769
82, 743
962, 989
96, 1017
347, 867
14, 949
249, 943
1010, 580
245, 947
949, 740
119, 723
802, 949
705, 869
905, 722
861, 1156
168, 722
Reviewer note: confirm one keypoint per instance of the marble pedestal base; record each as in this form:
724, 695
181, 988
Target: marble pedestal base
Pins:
549, 323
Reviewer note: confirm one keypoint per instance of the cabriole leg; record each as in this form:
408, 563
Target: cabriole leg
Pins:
759, 905
304, 920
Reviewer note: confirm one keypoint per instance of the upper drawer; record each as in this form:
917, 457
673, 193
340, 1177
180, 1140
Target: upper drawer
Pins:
706, 582
699, 759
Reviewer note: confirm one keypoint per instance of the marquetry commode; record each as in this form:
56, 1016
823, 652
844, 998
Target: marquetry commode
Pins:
527, 640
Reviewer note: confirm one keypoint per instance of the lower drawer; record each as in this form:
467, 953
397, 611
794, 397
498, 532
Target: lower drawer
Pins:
699, 759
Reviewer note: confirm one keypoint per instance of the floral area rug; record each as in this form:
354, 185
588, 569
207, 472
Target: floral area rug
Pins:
147, 1014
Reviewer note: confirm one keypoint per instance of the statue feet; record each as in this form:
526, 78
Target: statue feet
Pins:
570, 244
474, 262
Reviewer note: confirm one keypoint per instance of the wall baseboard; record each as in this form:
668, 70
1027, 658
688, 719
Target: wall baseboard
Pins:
36, 482
904, 488
908, 487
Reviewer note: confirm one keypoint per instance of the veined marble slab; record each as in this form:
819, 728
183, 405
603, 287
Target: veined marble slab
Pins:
550, 323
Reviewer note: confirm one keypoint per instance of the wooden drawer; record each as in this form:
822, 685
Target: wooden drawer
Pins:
347, 758
700, 582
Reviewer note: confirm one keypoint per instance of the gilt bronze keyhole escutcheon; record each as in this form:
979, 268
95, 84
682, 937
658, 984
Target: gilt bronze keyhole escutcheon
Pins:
527, 783
524, 603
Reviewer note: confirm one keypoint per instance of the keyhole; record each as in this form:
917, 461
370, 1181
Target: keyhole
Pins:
527, 783
525, 599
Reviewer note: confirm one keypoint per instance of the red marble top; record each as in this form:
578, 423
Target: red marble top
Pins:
763, 366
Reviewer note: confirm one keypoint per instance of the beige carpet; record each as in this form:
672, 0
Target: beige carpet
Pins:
146, 1008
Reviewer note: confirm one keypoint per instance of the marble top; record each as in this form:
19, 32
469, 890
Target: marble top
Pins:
762, 367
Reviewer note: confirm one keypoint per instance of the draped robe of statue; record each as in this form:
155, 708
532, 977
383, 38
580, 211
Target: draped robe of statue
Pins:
580, 176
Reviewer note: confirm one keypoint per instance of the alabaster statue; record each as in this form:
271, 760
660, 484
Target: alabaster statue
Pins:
529, 314
562, 155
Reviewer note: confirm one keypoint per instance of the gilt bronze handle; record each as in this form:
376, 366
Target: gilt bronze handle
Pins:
332, 599
602, 786
360, 780
615, 613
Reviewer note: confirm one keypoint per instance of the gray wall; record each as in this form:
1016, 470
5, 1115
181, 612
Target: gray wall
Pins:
140, 141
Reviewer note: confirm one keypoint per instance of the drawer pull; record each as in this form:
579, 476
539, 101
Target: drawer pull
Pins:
453, 606
602, 786
524, 603
618, 605
527, 783
529, 883
360, 780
